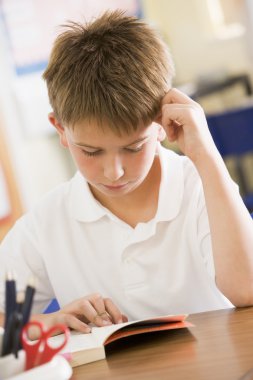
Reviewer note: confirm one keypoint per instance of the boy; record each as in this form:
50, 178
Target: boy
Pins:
139, 231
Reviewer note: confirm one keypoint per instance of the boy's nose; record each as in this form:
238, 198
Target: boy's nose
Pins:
113, 169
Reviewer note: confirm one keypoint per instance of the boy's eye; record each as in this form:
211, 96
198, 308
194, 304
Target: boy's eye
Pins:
91, 154
135, 149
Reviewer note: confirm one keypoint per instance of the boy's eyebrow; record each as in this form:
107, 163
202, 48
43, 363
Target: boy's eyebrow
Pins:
97, 147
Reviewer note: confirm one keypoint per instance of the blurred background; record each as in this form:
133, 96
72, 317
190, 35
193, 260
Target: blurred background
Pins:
212, 45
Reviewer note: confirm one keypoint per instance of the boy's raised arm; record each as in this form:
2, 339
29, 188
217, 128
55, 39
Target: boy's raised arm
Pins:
231, 232
230, 223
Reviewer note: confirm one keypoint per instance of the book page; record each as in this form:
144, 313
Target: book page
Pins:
77, 342
81, 342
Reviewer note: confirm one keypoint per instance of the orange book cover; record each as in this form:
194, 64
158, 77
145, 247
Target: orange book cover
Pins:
142, 327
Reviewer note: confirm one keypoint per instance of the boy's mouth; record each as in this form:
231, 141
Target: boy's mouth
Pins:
115, 187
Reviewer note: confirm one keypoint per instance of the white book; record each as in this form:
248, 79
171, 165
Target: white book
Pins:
86, 348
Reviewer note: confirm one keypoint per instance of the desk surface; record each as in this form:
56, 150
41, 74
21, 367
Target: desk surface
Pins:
219, 346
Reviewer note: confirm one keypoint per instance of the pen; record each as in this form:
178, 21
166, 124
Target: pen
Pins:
24, 312
10, 296
27, 304
17, 315
13, 329
9, 333
10, 307
17, 325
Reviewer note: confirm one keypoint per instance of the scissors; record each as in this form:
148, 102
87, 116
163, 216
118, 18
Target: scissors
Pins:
40, 351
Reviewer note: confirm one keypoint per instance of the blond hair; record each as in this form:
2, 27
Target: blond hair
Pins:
115, 69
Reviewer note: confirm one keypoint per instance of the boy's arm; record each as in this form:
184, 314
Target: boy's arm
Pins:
231, 230
231, 226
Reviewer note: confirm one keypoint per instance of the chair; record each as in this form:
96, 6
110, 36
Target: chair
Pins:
232, 132
53, 306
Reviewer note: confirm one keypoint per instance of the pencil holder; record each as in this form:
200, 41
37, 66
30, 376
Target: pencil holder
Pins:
12, 368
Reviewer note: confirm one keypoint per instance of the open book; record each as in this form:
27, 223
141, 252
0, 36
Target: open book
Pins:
86, 348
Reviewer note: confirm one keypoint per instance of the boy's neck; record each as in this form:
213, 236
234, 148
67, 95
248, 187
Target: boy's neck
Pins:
140, 205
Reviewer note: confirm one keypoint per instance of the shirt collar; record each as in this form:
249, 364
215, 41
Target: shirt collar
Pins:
84, 207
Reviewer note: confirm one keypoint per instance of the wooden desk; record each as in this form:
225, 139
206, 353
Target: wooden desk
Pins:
220, 346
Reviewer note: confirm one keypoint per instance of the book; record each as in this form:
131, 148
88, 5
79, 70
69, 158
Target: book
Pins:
87, 348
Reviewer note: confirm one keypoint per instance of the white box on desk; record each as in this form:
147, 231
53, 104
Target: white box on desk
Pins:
13, 369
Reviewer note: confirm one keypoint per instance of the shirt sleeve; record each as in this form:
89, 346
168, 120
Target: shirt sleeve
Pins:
19, 253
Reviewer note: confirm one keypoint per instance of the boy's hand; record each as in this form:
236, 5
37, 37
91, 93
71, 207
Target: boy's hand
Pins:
184, 121
78, 314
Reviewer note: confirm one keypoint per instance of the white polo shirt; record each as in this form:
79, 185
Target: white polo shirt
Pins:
75, 246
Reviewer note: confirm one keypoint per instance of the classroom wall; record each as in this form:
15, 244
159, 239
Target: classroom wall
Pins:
186, 26
39, 162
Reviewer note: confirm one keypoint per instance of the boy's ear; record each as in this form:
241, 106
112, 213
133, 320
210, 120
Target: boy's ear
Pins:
59, 128
158, 118
161, 133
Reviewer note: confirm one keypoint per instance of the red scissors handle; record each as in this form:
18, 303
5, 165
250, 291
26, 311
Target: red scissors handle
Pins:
31, 347
49, 351
40, 352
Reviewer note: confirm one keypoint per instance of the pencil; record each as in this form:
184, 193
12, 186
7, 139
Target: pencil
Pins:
27, 304
10, 296
10, 307
17, 314
17, 325
24, 312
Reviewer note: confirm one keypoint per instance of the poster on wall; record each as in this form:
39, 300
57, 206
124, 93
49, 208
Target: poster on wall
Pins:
30, 27
5, 204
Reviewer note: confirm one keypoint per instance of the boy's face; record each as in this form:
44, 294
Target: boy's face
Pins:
112, 165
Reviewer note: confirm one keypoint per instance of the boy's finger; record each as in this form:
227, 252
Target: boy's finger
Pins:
67, 319
113, 311
173, 114
176, 96
91, 314
75, 324
97, 302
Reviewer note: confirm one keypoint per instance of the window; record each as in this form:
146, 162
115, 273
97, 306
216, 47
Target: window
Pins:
226, 18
